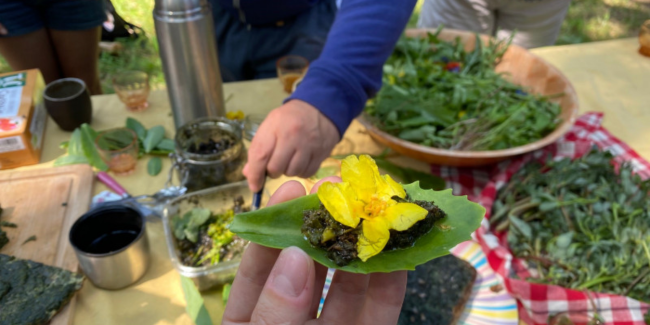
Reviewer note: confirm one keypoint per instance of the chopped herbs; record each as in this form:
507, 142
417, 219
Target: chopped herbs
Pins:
203, 238
4, 240
32, 293
3, 235
436, 94
580, 223
437, 292
8, 224
340, 241
31, 238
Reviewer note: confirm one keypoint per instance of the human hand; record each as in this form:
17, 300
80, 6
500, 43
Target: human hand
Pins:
293, 140
289, 292
3, 30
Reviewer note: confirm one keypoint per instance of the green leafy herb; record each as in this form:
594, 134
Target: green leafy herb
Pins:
153, 138
81, 147
444, 97
195, 305
154, 166
31, 238
225, 293
279, 227
137, 127
8, 224
580, 223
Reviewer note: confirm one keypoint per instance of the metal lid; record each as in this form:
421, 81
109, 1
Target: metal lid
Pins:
179, 7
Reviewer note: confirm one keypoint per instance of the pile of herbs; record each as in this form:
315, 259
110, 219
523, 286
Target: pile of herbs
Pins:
81, 148
581, 223
203, 238
340, 241
436, 94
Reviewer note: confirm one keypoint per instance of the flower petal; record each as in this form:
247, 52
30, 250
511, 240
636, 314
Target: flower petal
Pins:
387, 187
402, 216
341, 202
362, 174
373, 238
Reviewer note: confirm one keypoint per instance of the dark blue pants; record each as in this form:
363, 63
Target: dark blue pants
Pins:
249, 52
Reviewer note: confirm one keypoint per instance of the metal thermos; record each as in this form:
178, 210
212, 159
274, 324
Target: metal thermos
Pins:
188, 50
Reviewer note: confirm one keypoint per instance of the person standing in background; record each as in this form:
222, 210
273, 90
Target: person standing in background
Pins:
59, 37
296, 137
252, 35
536, 22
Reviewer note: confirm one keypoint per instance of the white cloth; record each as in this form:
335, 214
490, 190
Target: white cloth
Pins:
537, 22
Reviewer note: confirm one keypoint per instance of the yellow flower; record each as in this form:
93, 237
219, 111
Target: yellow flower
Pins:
364, 194
461, 114
237, 115
391, 79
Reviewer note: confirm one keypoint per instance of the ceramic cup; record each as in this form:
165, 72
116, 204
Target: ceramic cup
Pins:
68, 102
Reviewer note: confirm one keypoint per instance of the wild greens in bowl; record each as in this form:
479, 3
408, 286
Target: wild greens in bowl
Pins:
435, 94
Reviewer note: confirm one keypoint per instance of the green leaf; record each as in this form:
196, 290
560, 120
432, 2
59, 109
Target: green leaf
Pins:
74, 145
521, 226
225, 293
154, 166
279, 226
195, 306
153, 138
70, 160
166, 145
88, 136
137, 127
199, 216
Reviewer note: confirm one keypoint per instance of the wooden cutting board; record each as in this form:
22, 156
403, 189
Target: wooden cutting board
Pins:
45, 203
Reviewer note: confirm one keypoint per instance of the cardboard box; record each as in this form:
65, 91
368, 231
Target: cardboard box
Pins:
22, 118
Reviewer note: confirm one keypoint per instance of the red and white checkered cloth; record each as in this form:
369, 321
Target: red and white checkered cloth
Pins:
535, 301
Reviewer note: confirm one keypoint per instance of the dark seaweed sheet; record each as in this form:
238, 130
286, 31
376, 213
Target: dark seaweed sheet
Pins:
435, 290
32, 293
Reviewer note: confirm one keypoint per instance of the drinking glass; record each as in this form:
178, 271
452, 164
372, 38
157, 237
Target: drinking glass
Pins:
291, 68
68, 102
119, 150
251, 124
644, 38
132, 87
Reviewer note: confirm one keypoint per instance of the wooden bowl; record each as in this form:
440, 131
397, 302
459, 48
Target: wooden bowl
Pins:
522, 68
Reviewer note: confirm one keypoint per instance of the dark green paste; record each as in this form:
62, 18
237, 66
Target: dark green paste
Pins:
342, 246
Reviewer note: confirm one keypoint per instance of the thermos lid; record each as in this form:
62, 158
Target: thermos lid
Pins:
179, 7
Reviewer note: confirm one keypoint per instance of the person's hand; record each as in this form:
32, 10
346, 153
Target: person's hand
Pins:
289, 291
3, 30
293, 140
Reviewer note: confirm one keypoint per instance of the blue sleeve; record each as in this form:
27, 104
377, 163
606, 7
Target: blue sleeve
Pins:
349, 69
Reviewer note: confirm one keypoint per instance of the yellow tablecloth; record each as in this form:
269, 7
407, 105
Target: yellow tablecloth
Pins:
609, 77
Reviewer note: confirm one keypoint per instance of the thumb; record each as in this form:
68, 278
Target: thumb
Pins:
286, 297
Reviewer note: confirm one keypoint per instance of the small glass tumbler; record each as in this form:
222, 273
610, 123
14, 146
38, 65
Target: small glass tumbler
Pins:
132, 87
644, 38
251, 124
119, 150
291, 68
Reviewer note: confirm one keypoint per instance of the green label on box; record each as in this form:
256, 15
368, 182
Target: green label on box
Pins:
14, 80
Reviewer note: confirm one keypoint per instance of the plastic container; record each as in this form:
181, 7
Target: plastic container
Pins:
218, 200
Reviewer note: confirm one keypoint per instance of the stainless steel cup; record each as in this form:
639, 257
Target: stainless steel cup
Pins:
111, 246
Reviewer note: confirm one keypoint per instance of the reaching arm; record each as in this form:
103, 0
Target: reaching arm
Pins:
349, 69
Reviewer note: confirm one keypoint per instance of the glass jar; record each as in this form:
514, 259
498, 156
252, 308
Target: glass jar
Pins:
209, 153
644, 38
